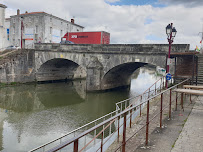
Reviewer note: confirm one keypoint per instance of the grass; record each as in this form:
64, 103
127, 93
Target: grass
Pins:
9, 84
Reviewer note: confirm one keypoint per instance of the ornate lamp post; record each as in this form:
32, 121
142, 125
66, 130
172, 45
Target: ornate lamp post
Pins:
171, 33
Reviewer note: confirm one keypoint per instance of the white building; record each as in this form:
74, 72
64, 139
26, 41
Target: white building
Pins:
39, 27
3, 36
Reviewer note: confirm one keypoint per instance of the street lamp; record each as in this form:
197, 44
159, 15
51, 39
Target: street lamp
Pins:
171, 33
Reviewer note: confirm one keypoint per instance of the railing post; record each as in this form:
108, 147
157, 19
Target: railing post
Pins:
182, 101
102, 141
118, 127
76, 145
124, 133
155, 88
147, 123
163, 83
141, 108
176, 101
149, 93
131, 117
161, 110
170, 105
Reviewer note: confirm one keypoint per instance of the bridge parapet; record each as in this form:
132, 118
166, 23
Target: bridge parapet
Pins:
113, 48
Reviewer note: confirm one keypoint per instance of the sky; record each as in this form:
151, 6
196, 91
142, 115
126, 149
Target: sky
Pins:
128, 21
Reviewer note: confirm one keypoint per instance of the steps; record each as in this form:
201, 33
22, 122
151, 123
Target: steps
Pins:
200, 69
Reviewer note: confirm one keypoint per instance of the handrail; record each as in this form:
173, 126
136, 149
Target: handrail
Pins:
74, 131
75, 139
137, 97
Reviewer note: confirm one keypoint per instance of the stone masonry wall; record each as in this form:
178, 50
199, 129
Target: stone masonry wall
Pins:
17, 67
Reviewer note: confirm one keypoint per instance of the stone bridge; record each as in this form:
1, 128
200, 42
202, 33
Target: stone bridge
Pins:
103, 66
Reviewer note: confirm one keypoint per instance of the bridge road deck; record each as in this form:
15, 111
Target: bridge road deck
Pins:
188, 91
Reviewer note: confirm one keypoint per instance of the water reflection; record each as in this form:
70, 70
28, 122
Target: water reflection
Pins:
32, 115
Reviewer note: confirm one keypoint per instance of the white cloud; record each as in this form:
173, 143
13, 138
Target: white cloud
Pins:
188, 3
112, 1
127, 24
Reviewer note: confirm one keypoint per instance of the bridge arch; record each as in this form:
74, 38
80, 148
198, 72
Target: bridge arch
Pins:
59, 69
120, 75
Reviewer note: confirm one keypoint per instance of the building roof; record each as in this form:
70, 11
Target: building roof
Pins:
36, 13
33, 13
4, 6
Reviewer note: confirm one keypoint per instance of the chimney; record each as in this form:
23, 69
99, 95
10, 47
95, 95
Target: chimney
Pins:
18, 12
72, 21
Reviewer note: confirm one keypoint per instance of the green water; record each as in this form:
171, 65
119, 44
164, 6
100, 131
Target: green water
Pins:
31, 115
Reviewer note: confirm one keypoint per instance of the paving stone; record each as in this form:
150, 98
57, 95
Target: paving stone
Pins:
191, 137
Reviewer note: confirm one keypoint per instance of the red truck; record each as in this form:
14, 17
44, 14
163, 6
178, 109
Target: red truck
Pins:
88, 37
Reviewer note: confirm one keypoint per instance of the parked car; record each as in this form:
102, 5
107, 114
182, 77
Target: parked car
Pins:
12, 47
66, 42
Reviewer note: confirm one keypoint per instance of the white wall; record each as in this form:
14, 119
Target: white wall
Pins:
2, 29
39, 29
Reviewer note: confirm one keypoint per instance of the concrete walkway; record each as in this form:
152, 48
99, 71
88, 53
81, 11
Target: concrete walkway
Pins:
191, 137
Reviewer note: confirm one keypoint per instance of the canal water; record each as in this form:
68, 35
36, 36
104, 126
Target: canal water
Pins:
31, 115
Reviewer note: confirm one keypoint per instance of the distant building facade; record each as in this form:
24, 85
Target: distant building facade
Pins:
39, 27
3, 36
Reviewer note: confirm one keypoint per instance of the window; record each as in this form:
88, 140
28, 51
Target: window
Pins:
50, 30
50, 19
13, 29
61, 23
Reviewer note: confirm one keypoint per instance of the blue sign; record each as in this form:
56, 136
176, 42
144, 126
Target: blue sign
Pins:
7, 31
168, 76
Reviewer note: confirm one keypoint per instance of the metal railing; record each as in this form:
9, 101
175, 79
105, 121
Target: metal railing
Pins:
122, 119
154, 88
126, 115
73, 133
